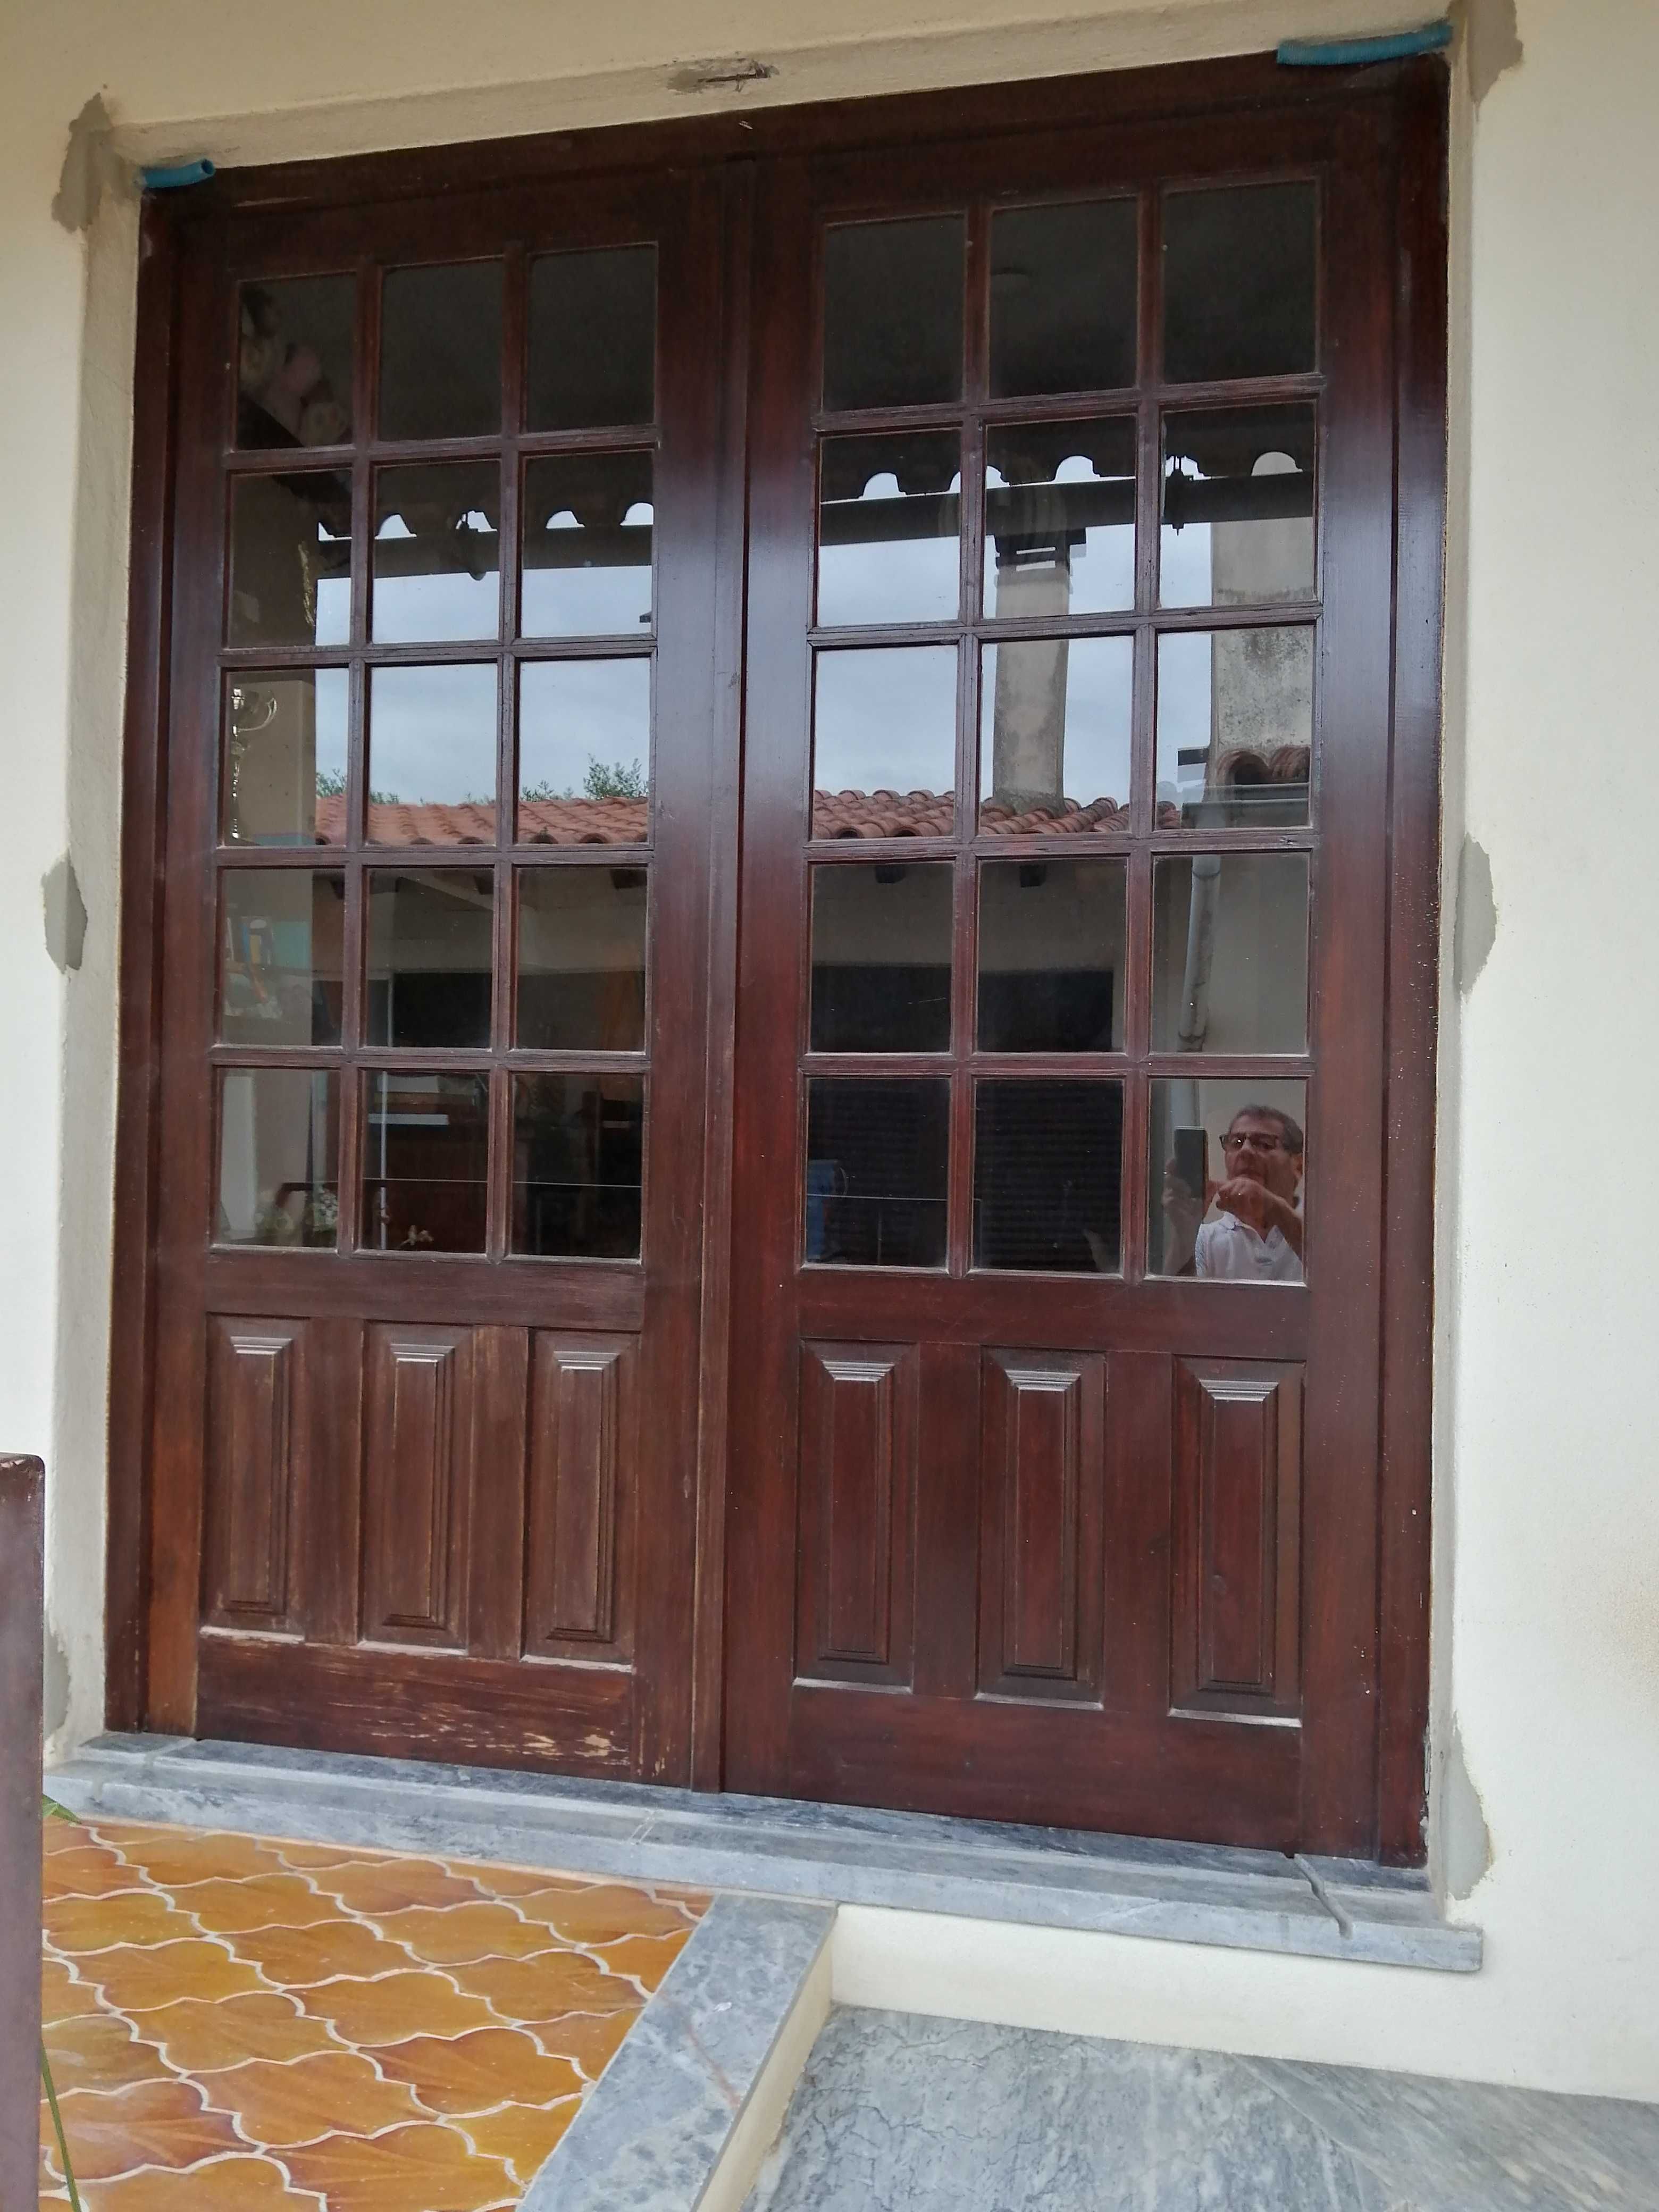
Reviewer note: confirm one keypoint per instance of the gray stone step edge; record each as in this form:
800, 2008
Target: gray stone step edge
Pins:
1180, 1892
681, 2119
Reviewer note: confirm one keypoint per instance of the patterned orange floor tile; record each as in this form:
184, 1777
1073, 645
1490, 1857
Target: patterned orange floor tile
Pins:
606, 1914
198, 2037
588, 2041
279, 2106
522, 2136
558, 1981
377, 1886
647, 1959
100, 2050
84, 1868
395, 2008
133, 1980
176, 1857
476, 2072
528, 1881
276, 1900
429, 2166
299, 1957
167, 2123
82, 1925
455, 1935
247, 2183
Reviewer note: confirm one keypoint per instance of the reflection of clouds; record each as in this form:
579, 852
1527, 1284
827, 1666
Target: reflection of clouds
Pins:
333, 716
571, 712
424, 610
886, 720
898, 580
333, 609
432, 733
1183, 709
1099, 697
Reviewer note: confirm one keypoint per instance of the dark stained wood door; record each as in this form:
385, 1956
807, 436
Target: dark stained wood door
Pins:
1061, 1036
442, 735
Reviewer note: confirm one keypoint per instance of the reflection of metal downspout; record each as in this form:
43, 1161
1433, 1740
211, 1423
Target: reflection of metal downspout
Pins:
1194, 1026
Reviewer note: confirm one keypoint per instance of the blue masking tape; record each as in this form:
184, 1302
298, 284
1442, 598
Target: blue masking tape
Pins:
1347, 53
180, 173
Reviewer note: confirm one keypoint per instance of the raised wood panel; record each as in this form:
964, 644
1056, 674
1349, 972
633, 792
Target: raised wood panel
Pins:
582, 1412
1238, 1597
255, 1442
1042, 1478
858, 1462
415, 1484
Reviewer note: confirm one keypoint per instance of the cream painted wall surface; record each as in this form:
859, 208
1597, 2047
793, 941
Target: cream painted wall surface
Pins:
1548, 1561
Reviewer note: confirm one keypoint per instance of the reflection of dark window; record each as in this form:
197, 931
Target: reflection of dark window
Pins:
425, 1143
1047, 1176
579, 1152
876, 1156
881, 1009
1046, 1010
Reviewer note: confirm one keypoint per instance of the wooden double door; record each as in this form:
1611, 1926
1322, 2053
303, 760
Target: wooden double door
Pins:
774, 968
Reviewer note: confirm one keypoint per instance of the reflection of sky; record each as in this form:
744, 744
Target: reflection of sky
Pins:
607, 601
333, 697
886, 720
1103, 580
432, 734
1183, 710
428, 609
572, 712
903, 580
333, 609
1099, 693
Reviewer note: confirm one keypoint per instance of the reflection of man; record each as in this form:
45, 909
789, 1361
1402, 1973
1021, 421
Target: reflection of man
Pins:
1254, 1234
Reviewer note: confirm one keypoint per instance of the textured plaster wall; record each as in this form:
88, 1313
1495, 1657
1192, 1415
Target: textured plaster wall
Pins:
1547, 1596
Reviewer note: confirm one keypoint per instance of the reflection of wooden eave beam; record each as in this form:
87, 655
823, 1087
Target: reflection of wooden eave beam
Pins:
1031, 510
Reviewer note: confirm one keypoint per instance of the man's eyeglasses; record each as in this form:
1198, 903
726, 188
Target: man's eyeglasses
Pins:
1258, 1140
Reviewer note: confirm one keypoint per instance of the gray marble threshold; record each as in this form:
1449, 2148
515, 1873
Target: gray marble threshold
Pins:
780, 1848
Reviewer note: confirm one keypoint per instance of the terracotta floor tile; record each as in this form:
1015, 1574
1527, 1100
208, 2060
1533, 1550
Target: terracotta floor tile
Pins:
198, 2037
525, 1881
647, 1959
176, 1857
557, 1981
165, 2124
279, 2105
85, 1869
588, 2042
135, 1980
522, 2134
393, 2009
452, 1934
300, 1957
606, 1914
429, 2166
100, 2052
276, 1900
248, 2183
377, 1886
63, 1997
475, 2071
296, 1854
80, 1924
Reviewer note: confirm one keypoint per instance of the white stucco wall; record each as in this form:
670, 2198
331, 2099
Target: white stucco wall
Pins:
1547, 1551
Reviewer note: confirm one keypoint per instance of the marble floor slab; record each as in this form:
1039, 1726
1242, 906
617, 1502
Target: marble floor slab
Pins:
896, 2112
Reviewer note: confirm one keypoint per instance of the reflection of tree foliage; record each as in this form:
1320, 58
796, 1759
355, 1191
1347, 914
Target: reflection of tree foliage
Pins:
603, 780
330, 783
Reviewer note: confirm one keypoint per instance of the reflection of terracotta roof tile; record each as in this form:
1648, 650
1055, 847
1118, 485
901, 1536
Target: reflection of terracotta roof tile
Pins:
542, 822
883, 814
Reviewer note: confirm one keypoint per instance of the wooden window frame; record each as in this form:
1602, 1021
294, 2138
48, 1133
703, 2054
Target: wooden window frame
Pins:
1410, 100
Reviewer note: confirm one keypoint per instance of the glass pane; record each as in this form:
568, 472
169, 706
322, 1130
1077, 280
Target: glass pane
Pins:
578, 1150
429, 939
437, 557
876, 1172
892, 313
1238, 504
1055, 735
426, 1146
1226, 1162
1238, 282
581, 959
592, 339
585, 752
279, 1151
432, 755
1234, 728
588, 526
889, 529
440, 352
1048, 1176
1052, 947
282, 945
283, 781
1229, 952
1063, 298
1060, 519
290, 560
884, 742
881, 958
294, 362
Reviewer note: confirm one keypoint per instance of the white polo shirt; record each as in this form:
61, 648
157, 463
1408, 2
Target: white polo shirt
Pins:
1229, 1251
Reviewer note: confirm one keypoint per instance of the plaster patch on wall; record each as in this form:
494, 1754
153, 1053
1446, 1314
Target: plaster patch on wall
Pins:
1476, 927
1468, 1853
55, 1683
91, 168
65, 914
1492, 35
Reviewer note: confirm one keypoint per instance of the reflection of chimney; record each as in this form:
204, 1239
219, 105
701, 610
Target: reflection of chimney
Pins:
1259, 676
1028, 763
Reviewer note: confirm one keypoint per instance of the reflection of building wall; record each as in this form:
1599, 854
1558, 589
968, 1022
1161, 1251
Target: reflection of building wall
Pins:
273, 764
1027, 757
1257, 971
